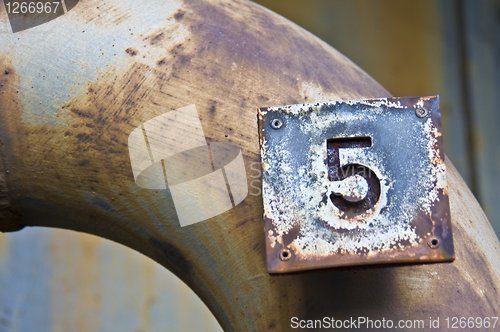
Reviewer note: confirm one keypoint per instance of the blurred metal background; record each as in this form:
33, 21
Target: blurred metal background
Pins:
58, 280
63, 281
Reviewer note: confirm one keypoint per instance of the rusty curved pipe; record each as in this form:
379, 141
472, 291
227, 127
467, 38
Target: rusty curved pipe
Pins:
72, 90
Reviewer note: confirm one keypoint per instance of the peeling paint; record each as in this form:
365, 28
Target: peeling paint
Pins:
404, 159
352, 189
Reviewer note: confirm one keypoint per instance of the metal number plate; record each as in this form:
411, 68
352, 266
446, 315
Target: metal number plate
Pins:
354, 182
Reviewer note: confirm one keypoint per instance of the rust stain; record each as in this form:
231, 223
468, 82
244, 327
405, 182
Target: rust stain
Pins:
10, 220
140, 92
179, 15
131, 51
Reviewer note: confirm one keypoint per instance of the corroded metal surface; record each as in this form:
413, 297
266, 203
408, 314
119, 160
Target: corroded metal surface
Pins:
65, 121
354, 182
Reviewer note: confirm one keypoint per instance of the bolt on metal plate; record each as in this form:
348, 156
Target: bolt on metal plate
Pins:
354, 183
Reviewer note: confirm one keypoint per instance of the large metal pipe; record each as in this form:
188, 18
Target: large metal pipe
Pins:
73, 89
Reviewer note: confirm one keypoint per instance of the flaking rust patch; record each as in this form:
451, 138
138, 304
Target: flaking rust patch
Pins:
387, 150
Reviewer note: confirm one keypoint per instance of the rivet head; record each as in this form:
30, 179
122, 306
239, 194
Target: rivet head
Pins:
421, 112
276, 123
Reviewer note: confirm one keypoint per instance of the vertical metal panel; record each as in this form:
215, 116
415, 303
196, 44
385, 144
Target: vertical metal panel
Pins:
453, 105
25, 277
482, 44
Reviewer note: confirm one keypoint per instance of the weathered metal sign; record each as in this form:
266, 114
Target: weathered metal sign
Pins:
354, 182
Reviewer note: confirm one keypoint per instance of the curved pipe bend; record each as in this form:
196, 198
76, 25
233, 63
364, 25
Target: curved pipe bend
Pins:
69, 101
